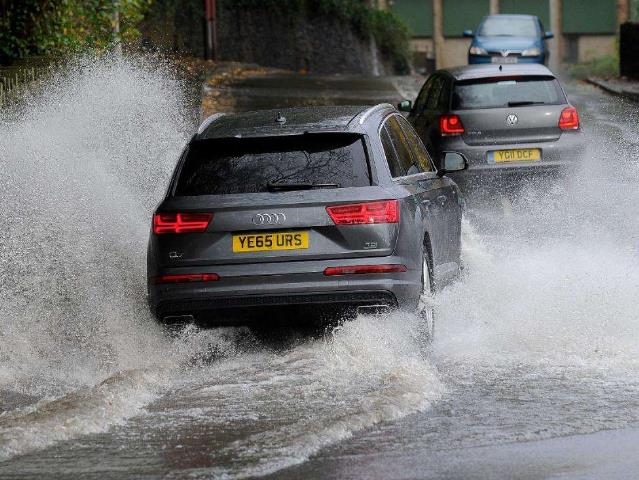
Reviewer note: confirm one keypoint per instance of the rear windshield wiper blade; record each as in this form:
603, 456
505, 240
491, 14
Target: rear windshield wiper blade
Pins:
272, 187
521, 104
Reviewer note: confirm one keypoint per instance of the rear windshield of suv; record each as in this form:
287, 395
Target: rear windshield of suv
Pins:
237, 165
507, 92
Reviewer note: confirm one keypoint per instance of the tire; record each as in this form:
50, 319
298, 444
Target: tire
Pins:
425, 305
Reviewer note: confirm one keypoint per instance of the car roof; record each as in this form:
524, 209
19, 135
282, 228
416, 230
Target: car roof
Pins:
472, 72
512, 15
298, 120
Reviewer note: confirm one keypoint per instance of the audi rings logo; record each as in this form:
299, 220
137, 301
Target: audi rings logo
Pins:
268, 219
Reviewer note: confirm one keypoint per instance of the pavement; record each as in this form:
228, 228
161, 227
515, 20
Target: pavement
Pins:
599, 455
617, 86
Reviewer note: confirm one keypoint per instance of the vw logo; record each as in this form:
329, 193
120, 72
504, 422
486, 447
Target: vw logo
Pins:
505, 53
268, 218
511, 120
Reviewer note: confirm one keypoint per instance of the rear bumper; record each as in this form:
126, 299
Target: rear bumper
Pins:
268, 285
557, 157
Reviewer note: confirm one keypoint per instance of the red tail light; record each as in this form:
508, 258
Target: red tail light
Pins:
451, 125
386, 211
184, 278
361, 269
569, 119
180, 222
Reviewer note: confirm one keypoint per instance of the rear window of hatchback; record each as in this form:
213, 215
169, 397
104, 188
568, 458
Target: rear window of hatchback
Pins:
503, 92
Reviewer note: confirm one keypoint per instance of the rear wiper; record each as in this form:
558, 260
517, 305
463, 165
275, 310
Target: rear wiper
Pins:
520, 104
273, 187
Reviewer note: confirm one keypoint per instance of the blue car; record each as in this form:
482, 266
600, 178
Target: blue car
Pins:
508, 39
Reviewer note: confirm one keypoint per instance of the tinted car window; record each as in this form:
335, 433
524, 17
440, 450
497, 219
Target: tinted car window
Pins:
391, 155
504, 92
443, 102
435, 91
419, 154
420, 103
225, 166
508, 27
401, 146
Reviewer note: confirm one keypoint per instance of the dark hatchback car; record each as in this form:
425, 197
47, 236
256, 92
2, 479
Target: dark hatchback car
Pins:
508, 39
307, 206
507, 120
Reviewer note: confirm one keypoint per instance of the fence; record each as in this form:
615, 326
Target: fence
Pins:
14, 80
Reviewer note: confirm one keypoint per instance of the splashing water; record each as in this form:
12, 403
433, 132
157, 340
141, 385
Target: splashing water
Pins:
86, 160
557, 281
546, 302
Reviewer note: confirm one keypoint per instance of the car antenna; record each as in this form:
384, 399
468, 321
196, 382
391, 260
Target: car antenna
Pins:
500, 68
280, 119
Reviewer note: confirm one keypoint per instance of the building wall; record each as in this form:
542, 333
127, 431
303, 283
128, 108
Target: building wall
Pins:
596, 46
589, 26
455, 52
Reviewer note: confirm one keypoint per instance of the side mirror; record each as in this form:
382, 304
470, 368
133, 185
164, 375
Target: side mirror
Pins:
469, 33
405, 106
549, 35
453, 162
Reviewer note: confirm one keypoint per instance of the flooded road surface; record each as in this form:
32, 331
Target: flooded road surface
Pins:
533, 373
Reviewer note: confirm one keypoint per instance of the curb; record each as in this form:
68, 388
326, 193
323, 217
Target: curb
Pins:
606, 87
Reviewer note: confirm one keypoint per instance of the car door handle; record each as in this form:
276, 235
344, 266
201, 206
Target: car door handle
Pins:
442, 199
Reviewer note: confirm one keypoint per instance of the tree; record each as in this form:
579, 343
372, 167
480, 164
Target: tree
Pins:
44, 27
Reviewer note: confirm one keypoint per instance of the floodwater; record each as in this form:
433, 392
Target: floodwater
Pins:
537, 342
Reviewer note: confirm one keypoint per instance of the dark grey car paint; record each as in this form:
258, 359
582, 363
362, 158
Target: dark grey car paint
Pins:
429, 222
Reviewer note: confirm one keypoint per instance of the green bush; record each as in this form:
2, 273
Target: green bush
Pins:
49, 27
607, 66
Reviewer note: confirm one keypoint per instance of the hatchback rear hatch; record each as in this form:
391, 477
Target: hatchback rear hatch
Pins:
508, 110
294, 197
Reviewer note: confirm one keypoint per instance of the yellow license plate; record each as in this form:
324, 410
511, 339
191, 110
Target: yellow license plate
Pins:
265, 242
518, 155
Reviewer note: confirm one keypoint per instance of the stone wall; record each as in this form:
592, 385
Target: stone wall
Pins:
311, 43
318, 44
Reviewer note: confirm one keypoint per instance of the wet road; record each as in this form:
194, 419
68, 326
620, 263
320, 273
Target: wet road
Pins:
533, 373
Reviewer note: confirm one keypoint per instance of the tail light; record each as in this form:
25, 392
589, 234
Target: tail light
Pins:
362, 269
185, 278
451, 125
180, 222
386, 211
569, 119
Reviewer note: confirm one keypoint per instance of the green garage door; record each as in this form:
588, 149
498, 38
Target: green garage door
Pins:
418, 15
540, 8
460, 15
589, 16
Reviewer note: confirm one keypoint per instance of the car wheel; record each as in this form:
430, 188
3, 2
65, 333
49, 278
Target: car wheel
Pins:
426, 305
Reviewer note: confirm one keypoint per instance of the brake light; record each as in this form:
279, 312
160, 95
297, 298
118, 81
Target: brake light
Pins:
362, 269
185, 278
451, 125
386, 211
180, 222
569, 119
